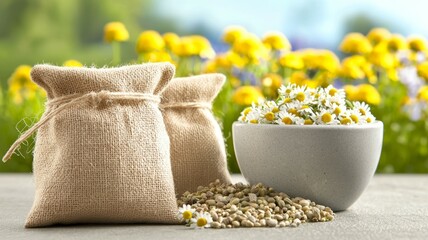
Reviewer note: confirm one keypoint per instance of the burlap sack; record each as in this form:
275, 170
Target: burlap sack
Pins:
102, 155
198, 154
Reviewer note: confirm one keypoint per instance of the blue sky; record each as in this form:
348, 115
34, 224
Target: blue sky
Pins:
315, 22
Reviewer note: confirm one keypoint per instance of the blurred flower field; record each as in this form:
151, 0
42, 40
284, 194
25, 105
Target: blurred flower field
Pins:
387, 71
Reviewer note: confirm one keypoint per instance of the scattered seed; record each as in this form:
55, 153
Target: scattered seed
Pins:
271, 222
242, 205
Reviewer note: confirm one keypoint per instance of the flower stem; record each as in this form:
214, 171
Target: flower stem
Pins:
116, 53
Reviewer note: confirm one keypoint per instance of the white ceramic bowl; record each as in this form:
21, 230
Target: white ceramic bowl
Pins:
331, 165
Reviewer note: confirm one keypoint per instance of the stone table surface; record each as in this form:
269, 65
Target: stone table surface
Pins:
392, 207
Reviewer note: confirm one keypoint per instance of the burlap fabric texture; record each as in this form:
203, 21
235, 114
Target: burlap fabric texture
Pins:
198, 154
102, 153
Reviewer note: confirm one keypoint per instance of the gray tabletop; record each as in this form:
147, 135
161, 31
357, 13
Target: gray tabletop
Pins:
392, 207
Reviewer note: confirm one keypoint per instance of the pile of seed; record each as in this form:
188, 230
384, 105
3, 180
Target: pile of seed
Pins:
242, 205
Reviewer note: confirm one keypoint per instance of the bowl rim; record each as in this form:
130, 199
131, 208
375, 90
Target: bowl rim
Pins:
376, 124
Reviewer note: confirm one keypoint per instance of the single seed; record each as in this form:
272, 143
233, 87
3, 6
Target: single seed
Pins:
271, 222
215, 225
253, 197
304, 202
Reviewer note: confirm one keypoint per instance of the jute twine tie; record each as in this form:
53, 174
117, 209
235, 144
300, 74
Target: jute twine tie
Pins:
97, 99
186, 105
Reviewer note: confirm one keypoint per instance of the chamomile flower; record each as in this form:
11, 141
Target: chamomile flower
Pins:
309, 121
300, 105
370, 118
243, 117
326, 117
269, 112
286, 90
345, 118
300, 94
362, 107
334, 92
356, 116
299, 121
185, 213
337, 109
201, 220
286, 118
253, 116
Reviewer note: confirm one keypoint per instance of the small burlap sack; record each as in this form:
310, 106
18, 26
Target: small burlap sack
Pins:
198, 154
102, 150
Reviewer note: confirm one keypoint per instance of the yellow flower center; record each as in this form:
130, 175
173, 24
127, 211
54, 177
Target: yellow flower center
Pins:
317, 95
292, 110
247, 110
287, 120
254, 121
326, 117
270, 116
275, 110
369, 120
187, 214
354, 118
287, 100
337, 111
308, 122
288, 91
300, 96
201, 222
305, 107
332, 92
345, 121
362, 111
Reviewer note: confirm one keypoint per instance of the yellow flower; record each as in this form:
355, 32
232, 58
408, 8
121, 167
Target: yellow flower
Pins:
149, 41
422, 70
363, 92
224, 62
320, 59
377, 35
355, 43
276, 41
235, 59
392, 74
21, 87
245, 95
351, 67
423, 93
160, 56
383, 59
203, 46
417, 43
291, 60
115, 31
72, 63
171, 39
271, 82
233, 33
327, 60
396, 42
193, 46
299, 78
251, 47
357, 67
